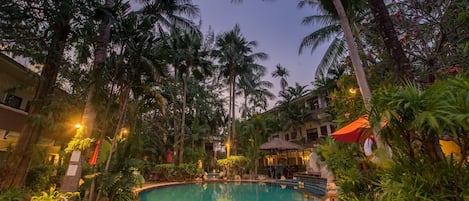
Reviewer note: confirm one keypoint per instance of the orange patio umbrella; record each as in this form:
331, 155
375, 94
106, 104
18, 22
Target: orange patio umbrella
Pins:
357, 131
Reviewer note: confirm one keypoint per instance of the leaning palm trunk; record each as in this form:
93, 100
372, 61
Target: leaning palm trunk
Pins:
17, 164
357, 64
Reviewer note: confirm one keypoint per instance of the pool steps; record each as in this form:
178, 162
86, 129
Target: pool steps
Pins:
312, 184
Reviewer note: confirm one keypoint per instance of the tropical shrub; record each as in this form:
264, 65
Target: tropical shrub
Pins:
170, 172
417, 118
39, 178
55, 195
236, 164
13, 195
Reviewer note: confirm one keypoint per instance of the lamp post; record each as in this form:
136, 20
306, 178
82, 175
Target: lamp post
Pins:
71, 179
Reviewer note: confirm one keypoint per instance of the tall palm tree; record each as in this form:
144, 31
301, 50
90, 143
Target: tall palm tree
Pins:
356, 61
162, 14
330, 29
89, 112
283, 73
193, 63
235, 55
172, 13
331, 32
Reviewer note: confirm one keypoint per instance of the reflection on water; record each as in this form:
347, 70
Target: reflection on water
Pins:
225, 191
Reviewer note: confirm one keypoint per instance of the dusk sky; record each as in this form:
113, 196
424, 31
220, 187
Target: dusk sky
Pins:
275, 25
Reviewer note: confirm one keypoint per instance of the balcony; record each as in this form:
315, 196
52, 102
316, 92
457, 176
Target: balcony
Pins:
12, 119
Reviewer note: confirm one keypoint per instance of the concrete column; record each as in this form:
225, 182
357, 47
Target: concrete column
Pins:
71, 180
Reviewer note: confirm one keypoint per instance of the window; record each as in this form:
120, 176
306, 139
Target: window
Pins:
323, 130
28, 106
312, 134
293, 134
332, 128
13, 101
313, 104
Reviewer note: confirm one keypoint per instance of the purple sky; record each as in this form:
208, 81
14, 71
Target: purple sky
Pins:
275, 25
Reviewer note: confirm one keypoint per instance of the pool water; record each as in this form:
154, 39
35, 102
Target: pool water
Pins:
227, 191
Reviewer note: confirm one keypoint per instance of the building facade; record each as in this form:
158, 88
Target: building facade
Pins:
314, 125
17, 88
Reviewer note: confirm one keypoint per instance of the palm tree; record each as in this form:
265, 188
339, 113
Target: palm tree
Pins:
89, 112
172, 13
256, 91
298, 90
293, 116
283, 73
331, 27
356, 61
235, 55
193, 62
331, 30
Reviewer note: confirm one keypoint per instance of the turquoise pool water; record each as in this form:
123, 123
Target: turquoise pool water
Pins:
227, 191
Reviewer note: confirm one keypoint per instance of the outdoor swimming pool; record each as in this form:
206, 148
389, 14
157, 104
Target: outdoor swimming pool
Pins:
223, 191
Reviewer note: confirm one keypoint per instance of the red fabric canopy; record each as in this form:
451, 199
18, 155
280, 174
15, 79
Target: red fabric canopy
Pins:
357, 131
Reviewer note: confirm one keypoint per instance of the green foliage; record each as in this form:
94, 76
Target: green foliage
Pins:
190, 171
118, 186
193, 155
79, 143
38, 178
410, 180
55, 195
182, 172
235, 163
352, 173
13, 195
416, 119
345, 101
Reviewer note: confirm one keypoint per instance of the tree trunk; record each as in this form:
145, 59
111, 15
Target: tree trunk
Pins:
389, 36
183, 118
101, 138
122, 110
245, 111
357, 64
17, 164
233, 114
175, 119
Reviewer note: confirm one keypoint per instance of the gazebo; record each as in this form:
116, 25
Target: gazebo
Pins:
281, 162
